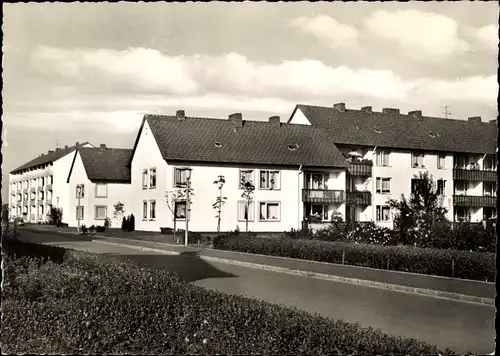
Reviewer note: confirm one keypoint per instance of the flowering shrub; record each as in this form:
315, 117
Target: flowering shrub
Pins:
94, 304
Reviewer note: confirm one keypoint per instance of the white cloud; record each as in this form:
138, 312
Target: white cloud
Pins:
328, 30
421, 35
488, 35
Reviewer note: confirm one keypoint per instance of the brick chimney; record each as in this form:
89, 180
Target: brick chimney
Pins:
390, 111
275, 121
236, 119
340, 107
416, 114
50, 151
367, 109
65, 147
180, 114
58, 149
102, 146
475, 119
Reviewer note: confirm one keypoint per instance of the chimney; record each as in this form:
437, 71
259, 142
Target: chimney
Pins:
475, 119
102, 146
367, 109
275, 121
180, 114
50, 151
494, 121
236, 119
58, 149
77, 143
390, 111
340, 107
42, 155
416, 113
66, 147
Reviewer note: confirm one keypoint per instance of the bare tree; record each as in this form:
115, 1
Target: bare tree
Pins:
248, 190
220, 200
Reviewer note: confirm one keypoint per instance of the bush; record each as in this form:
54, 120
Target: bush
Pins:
100, 228
55, 216
84, 229
94, 304
166, 230
131, 225
125, 224
467, 265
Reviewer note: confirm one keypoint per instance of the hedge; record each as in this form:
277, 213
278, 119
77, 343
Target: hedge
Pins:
96, 304
448, 263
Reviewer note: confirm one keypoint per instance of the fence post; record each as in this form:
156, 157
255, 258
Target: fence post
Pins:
453, 267
343, 257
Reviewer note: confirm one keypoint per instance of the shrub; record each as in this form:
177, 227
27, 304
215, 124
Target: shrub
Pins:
100, 228
107, 223
55, 216
131, 226
166, 230
84, 229
125, 224
95, 304
467, 265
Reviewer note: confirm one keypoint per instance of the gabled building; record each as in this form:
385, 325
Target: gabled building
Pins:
296, 170
39, 184
388, 148
104, 178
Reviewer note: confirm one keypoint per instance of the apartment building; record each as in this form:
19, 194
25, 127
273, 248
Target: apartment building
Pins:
102, 177
39, 184
387, 149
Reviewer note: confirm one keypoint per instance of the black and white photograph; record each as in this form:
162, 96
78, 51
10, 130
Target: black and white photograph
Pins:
202, 178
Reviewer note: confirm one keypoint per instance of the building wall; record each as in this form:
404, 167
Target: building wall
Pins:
299, 118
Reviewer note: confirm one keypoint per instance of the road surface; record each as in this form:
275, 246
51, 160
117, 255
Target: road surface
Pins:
458, 325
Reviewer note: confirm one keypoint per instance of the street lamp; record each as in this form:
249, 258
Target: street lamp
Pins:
187, 172
78, 195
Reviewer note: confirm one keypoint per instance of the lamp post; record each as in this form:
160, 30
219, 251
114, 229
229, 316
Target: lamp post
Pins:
188, 185
78, 195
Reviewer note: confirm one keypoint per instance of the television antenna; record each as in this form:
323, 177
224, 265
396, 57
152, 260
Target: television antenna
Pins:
446, 112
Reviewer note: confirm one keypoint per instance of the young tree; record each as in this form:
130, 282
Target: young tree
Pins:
171, 197
248, 190
119, 211
55, 216
132, 223
220, 200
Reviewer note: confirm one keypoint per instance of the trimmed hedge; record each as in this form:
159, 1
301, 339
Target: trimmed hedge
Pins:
448, 263
96, 304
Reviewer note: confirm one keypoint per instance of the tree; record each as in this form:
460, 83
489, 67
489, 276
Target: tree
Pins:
219, 201
248, 190
131, 226
124, 223
119, 211
5, 213
171, 197
55, 216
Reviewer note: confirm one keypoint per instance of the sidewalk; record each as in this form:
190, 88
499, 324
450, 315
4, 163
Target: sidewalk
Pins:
443, 287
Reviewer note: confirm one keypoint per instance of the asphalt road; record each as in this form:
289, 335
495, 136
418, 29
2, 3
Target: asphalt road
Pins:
460, 326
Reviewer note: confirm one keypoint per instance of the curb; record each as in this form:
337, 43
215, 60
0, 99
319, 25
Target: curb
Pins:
362, 282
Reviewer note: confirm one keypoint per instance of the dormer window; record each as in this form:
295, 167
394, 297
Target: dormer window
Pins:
293, 147
218, 144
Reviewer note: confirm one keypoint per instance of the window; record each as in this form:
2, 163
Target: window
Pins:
319, 210
40, 196
462, 214
489, 189
415, 183
316, 181
269, 179
383, 185
490, 163
101, 212
152, 209
383, 213
42, 181
460, 161
242, 214
382, 158
144, 179
441, 160
245, 176
144, 210
180, 210
79, 213
51, 179
441, 187
179, 177
80, 188
152, 178
417, 159
461, 188
269, 211
101, 190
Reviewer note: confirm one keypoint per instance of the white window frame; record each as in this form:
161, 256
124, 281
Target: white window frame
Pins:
83, 191
267, 182
105, 212
489, 192
251, 173
322, 185
251, 211
380, 184
379, 158
380, 210
144, 179
493, 167
417, 156
152, 209
179, 173
152, 174
324, 211
144, 210
465, 186
106, 190
466, 215
458, 158
79, 209
266, 218
439, 157
444, 187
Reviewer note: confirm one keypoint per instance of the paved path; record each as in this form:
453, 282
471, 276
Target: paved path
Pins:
460, 326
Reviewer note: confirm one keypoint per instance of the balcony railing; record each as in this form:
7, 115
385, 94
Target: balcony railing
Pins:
49, 201
358, 198
19, 203
323, 196
474, 175
13, 193
363, 168
474, 201
33, 189
40, 188
49, 187
25, 190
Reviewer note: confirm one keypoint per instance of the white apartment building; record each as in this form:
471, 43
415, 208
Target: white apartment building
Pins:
39, 184
389, 149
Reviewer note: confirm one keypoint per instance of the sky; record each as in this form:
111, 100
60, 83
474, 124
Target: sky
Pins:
89, 71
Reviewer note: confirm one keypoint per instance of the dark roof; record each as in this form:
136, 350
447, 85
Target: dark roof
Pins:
106, 165
48, 158
357, 127
255, 142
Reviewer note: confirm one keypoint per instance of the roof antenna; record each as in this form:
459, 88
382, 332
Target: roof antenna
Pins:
446, 112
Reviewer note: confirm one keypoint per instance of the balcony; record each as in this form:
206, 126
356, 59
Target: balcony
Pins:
13, 193
49, 201
323, 196
32, 200
25, 190
362, 168
474, 201
40, 188
474, 175
33, 189
49, 187
355, 197
19, 203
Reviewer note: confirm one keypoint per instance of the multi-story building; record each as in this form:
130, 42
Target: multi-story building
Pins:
388, 149
38, 185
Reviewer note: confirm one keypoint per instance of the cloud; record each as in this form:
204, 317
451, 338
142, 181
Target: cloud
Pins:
327, 30
422, 35
488, 35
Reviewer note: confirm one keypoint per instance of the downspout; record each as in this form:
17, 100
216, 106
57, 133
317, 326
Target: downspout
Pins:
374, 182
299, 226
